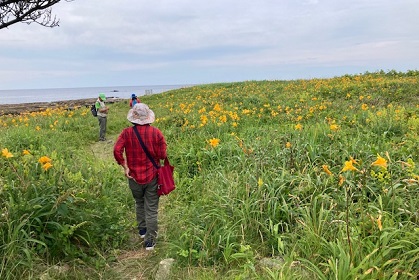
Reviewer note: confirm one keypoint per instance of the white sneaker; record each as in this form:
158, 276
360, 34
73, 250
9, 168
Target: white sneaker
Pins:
149, 245
142, 232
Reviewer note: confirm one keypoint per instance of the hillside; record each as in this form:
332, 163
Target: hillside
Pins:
275, 180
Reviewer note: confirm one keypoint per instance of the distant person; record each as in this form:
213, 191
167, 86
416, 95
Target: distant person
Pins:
134, 100
140, 171
102, 114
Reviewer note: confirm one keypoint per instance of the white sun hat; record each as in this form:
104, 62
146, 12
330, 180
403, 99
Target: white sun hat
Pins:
141, 114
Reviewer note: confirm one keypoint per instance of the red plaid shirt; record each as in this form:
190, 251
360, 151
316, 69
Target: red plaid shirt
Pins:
140, 166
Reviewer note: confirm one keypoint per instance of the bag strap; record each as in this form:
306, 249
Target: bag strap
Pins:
144, 147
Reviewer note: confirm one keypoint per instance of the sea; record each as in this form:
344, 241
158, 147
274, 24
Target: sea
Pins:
18, 96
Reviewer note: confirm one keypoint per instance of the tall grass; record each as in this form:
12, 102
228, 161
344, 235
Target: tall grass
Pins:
317, 175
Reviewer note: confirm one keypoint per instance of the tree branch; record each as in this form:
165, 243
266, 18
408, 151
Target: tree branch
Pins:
29, 11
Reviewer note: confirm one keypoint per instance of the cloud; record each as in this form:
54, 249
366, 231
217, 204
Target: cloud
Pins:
239, 39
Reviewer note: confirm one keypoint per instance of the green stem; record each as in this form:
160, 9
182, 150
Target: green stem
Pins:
347, 224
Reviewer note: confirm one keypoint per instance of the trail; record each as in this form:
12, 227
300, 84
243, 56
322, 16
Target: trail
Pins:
134, 263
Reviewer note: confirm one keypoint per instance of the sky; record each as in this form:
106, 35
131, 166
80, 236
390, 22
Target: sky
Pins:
179, 42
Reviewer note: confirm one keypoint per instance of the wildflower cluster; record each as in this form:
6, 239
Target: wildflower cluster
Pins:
5, 153
46, 162
44, 119
378, 170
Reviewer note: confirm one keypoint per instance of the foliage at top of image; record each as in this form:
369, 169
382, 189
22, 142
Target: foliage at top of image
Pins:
32, 11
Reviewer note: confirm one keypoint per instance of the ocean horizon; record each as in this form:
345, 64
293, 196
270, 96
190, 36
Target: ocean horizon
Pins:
19, 96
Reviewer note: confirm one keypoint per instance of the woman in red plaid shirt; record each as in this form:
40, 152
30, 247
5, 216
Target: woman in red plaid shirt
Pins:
140, 171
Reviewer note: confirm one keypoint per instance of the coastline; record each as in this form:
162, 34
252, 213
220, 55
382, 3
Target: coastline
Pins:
18, 96
16, 109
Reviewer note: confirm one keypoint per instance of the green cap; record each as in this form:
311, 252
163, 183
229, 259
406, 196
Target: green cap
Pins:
102, 96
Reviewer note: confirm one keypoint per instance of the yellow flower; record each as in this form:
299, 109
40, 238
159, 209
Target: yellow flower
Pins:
5, 152
26, 152
44, 160
353, 160
223, 118
334, 127
217, 107
247, 151
47, 166
298, 126
379, 224
349, 166
260, 182
326, 169
214, 142
382, 162
288, 145
341, 180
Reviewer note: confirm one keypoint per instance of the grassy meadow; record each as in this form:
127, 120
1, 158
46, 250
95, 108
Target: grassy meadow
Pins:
302, 179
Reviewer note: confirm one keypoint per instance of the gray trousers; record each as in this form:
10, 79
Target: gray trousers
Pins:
102, 127
146, 206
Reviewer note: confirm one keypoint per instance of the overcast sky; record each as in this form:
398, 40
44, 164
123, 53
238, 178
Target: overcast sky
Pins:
166, 42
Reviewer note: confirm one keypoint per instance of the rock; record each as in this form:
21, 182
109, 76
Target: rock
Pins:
272, 263
163, 272
55, 271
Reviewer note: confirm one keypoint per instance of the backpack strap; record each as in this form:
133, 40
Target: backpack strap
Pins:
144, 147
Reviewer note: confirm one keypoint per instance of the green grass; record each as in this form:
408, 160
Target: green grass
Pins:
258, 169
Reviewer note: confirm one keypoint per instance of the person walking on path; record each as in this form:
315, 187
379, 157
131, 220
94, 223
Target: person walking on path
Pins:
140, 171
102, 114
134, 100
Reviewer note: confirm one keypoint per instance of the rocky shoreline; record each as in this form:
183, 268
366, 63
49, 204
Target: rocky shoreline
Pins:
16, 109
